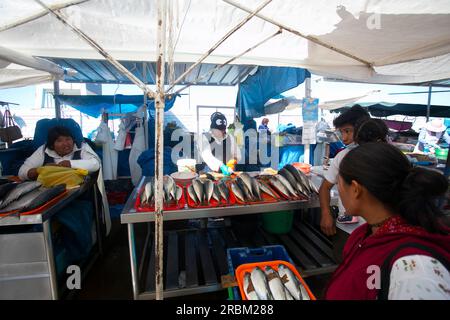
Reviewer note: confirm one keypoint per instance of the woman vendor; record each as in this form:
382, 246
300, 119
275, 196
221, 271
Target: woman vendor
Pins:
60, 150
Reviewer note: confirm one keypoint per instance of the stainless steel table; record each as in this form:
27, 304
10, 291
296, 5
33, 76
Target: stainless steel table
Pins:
130, 216
27, 262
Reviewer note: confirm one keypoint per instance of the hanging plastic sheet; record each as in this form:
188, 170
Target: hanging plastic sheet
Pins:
137, 148
110, 155
265, 84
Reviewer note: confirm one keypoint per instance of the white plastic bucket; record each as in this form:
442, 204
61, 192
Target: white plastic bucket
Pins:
186, 165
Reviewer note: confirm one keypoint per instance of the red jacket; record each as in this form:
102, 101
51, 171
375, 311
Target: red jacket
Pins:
349, 281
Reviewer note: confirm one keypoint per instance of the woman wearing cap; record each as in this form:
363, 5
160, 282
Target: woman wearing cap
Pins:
430, 135
218, 147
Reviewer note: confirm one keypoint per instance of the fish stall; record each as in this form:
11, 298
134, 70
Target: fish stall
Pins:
206, 255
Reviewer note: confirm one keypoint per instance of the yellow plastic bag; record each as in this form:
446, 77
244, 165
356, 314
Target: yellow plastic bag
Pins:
51, 176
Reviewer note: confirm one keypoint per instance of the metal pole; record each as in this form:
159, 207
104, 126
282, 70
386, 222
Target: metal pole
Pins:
312, 39
57, 104
237, 27
429, 102
159, 145
307, 152
229, 61
144, 74
100, 50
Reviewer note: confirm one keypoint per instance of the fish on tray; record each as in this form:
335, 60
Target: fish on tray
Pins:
172, 192
18, 191
295, 288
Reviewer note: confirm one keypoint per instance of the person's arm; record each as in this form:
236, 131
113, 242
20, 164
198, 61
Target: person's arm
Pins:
89, 160
28, 170
419, 277
327, 224
446, 137
207, 156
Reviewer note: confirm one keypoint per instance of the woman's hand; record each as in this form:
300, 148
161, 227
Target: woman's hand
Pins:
65, 163
32, 174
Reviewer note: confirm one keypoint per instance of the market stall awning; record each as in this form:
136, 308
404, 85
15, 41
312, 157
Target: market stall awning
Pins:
376, 41
384, 109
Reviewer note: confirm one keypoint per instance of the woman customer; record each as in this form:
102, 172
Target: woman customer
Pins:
403, 251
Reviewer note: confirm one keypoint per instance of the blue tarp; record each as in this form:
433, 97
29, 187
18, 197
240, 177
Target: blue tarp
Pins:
265, 84
94, 105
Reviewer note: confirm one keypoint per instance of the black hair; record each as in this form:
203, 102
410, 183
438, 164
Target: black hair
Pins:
351, 117
54, 133
389, 176
370, 130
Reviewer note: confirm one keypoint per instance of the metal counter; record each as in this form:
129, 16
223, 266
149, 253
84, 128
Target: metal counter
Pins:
200, 253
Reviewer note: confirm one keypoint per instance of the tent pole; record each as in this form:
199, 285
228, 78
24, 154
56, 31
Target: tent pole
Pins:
218, 67
307, 152
144, 74
57, 104
237, 27
312, 39
429, 102
100, 50
159, 145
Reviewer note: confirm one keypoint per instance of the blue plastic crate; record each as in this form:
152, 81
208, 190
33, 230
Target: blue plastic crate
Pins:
238, 256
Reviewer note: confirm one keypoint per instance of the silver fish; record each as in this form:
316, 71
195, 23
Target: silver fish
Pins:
171, 187
24, 201
276, 286
7, 188
216, 193
266, 189
303, 179
255, 189
198, 188
224, 192
246, 193
208, 189
298, 175
18, 191
179, 193
286, 183
260, 284
47, 195
193, 194
290, 178
147, 194
247, 180
237, 191
279, 186
291, 282
248, 287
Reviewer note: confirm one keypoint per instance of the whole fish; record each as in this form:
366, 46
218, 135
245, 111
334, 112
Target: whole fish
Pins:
18, 191
298, 175
171, 187
23, 201
313, 187
237, 191
208, 189
266, 189
279, 186
147, 194
47, 195
193, 194
290, 178
244, 189
247, 180
276, 286
198, 188
292, 283
6, 188
303, 178
260, 284
286, 183
249, 289
255, 189
179, 193
303, 190
216, 193
224, 192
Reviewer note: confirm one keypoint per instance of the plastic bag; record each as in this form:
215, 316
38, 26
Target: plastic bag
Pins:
50, 176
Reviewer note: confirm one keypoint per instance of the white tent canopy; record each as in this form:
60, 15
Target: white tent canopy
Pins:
403, 41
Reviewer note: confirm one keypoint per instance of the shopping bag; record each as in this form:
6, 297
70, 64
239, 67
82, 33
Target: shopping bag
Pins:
51, 176
11, 131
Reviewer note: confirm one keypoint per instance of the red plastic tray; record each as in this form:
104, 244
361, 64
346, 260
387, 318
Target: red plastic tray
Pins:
213, 203
240, 272
170, 207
